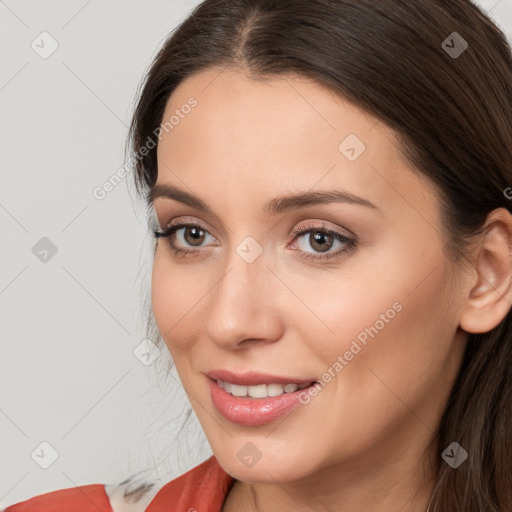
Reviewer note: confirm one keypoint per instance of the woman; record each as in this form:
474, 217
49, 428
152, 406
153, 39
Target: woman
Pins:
329, 185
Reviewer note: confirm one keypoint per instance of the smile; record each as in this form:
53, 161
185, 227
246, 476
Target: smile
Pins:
261, 390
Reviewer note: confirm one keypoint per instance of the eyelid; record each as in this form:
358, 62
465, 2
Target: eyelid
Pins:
323, 226
185, 220
309, 224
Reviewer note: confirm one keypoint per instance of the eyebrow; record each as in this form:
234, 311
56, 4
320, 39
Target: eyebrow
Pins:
272, 207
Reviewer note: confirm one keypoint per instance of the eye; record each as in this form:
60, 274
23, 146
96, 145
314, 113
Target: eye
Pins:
186, 233
322, 239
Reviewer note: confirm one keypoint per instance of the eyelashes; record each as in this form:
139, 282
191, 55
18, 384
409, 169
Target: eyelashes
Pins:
318, 234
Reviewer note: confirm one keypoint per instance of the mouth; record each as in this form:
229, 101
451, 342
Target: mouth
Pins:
254, 405
261, 390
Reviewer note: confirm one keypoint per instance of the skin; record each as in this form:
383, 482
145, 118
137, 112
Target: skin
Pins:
358, 444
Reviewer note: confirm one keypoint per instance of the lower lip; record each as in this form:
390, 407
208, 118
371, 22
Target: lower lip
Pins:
252, 411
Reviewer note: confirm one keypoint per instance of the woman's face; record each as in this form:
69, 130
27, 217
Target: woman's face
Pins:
373, 317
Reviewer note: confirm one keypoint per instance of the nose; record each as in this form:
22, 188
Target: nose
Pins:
244, 305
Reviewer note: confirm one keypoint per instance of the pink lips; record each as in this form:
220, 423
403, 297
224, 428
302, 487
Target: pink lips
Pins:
250, 411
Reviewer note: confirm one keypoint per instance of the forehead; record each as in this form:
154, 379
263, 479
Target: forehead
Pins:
287, 106
282, 133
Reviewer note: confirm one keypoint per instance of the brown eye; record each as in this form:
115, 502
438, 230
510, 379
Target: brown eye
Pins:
320, 240
193, 235
185, 238
317, 242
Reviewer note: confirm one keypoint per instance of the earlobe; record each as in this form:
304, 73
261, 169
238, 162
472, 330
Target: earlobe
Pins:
489, 298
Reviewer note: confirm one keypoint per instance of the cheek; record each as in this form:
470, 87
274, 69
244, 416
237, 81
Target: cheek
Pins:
349, 303
174, 294
395, 341
388, 315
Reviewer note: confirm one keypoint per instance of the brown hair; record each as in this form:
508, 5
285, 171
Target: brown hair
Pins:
453, 115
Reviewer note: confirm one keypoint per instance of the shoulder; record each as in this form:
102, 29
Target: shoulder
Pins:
131, 495
204, 487
84, 498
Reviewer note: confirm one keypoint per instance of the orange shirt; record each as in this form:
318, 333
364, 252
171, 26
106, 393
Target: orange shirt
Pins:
202, 489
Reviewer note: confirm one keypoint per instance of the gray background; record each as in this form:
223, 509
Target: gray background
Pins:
71, 323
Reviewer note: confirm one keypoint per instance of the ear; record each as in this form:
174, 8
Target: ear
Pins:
490, 298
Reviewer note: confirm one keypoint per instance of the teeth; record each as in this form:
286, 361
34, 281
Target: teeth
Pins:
275, 389
257, 391
261, 390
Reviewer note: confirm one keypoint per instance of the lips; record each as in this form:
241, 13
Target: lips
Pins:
264, 404
252, 412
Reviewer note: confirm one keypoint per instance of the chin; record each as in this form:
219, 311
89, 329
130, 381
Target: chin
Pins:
250, 465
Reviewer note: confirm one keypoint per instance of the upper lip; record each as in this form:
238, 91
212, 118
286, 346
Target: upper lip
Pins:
254, 378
